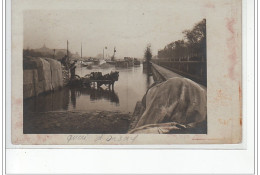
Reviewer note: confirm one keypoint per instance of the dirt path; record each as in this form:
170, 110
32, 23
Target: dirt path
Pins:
76, 122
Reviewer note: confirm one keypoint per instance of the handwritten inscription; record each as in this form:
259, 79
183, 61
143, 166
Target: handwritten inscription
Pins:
76, 138
121, 138
103, 138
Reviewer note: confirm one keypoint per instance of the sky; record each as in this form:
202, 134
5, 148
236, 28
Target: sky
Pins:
129, 30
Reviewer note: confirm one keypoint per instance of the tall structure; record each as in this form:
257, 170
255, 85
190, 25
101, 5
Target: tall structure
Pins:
113, 57
68, 51
104, 52
81, 51
54, 53
67, 48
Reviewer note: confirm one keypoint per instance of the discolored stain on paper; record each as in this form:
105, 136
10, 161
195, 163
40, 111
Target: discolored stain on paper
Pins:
132, 73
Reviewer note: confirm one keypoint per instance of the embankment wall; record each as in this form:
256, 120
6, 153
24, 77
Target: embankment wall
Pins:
41, 75
157, 76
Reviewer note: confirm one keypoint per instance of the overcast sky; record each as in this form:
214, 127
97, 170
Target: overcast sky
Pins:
129, 30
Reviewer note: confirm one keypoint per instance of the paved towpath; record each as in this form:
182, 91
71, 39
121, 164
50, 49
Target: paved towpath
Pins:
169, 74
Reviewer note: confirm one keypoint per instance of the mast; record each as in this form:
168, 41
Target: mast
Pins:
53, 53
68, 50
81, 52
103, 53
113, 57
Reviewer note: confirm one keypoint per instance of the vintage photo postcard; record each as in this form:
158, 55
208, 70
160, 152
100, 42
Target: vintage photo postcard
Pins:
126, 72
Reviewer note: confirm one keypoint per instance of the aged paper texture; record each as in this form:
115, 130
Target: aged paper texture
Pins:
123, 72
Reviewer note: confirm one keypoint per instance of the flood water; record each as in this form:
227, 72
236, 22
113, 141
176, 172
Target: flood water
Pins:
130, 88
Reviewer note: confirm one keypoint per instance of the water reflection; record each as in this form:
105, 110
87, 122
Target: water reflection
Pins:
147, 70
73, 97
130, 88
59, 100
95, 94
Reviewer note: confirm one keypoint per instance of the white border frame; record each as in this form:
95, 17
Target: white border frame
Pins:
132, 160
175, 146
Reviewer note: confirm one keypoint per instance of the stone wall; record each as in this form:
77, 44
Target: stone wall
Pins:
157, 76
41, 75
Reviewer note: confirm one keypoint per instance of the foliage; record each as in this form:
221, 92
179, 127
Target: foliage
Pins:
193, 46
148, 53
32, 53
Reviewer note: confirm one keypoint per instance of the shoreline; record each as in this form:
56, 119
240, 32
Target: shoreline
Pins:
76, 122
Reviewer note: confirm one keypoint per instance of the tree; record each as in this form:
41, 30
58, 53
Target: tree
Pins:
193, 45
196, 38
148, 53
60, 55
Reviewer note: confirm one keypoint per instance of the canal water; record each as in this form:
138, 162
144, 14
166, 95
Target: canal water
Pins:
130, 88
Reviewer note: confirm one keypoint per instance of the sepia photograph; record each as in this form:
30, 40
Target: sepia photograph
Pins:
130, 86
142, 71
104, 72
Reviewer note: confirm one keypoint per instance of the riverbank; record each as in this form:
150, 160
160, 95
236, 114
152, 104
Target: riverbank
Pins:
76, 122
160, 73
41, 75
161, 109
82, 110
